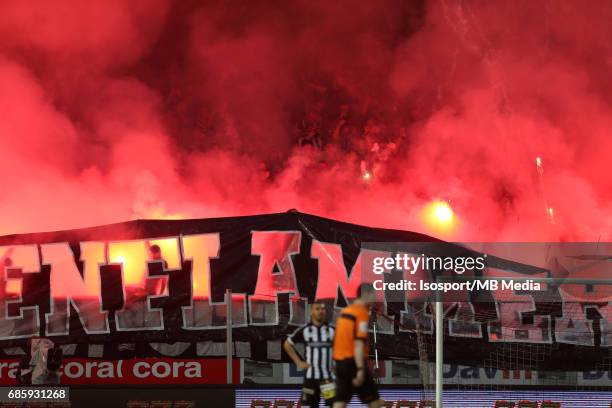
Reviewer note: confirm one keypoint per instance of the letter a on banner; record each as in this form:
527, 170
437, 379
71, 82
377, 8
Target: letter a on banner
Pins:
276, 273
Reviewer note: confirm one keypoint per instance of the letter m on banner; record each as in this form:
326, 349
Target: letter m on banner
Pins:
334, 275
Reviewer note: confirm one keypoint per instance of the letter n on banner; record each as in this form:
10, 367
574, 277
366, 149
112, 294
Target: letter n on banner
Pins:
203, 314
68, 286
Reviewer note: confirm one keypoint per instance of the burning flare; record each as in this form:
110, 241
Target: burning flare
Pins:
440, 217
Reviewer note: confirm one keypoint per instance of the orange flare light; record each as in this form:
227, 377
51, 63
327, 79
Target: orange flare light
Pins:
439, 216
132, 255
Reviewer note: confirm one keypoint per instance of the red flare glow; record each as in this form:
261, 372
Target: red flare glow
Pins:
117, 110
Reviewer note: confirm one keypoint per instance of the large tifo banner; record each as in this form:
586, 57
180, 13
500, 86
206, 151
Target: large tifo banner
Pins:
158, 289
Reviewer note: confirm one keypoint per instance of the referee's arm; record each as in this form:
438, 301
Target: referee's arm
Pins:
359, 362
288, 346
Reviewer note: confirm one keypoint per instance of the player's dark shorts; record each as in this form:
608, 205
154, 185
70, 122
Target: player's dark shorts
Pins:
346, 370
311, 392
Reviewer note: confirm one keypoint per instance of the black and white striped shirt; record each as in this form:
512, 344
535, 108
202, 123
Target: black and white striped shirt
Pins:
318, 341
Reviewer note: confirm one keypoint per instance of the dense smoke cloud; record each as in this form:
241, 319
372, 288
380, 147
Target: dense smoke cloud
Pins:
117, 110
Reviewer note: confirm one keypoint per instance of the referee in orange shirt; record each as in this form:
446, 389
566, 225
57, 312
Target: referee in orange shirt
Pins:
351, 352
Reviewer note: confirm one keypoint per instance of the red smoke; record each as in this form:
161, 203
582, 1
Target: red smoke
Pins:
115, 110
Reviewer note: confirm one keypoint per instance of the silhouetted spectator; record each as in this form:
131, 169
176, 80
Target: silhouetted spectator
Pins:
309, 131
156, 255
